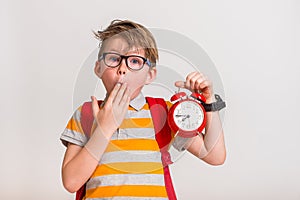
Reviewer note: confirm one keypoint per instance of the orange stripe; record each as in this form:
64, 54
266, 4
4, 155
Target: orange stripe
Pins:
74, 125
127, 190
137, 123
169, 104
128, 167
132, 144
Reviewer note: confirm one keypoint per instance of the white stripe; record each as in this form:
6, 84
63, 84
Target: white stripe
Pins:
129, 198
74, 135
131, 156
126, 179
77, 114
134, 133
138, 114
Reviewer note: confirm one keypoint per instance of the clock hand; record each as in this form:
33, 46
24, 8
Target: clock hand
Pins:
180, 115
187, 116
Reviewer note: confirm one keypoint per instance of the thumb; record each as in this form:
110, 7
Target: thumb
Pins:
180, 84
95, 106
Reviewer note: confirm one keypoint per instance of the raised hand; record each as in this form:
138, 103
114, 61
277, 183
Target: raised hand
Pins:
195, 82
110, 117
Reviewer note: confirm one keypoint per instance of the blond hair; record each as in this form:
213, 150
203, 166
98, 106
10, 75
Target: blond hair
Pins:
135, 34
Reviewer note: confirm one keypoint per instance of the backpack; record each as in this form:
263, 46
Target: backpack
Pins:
158, 110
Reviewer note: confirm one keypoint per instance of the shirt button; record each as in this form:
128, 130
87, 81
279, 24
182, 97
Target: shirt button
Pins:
122, 134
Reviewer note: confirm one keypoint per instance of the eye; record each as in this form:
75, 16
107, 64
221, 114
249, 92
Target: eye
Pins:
112, 58
136, 61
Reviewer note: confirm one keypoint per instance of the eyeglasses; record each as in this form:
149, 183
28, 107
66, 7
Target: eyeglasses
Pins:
133, 62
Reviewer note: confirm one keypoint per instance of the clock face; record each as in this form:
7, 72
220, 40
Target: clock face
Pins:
188, 115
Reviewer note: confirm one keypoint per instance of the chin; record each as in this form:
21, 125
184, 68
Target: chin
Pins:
135, 93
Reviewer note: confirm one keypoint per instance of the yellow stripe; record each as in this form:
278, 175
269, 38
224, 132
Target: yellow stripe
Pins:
128, 167
137, 123
132, 144
74, 125
127, 190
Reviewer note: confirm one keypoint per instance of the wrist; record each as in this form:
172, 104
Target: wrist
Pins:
106, 131
97, 143
211, 99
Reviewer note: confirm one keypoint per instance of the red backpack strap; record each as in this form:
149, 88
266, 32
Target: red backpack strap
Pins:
159, 113
86, 120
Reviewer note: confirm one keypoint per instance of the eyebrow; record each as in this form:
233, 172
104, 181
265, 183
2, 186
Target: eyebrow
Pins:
111, 50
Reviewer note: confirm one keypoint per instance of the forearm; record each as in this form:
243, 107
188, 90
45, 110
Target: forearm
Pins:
213, 131
210, 147
80, 163
213, 147
77, 171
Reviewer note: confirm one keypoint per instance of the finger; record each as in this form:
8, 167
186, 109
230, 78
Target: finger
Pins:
121, 109
193, 81
120, 94
124, 102
198, 82
188, 80
205, 85
95, 106
113, 93
180, 84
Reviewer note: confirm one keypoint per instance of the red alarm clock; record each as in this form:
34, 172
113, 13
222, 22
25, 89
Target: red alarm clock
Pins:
187, 116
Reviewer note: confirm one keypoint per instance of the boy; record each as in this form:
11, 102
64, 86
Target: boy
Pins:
121, 158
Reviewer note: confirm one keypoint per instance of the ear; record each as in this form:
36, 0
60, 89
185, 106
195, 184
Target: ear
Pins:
97, 69
151, 75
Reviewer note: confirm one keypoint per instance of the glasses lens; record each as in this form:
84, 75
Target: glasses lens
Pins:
112, 60
135, 62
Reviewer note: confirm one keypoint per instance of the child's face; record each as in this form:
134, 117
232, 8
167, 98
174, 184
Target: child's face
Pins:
134, 79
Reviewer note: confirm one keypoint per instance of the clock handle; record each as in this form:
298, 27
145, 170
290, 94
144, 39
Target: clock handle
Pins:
178, 96
198, 96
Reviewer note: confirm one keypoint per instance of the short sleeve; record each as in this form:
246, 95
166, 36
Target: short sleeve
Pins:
73, 132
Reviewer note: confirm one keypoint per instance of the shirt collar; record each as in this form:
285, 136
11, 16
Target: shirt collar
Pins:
138, 102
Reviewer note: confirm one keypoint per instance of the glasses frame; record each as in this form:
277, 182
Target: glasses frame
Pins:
145, 60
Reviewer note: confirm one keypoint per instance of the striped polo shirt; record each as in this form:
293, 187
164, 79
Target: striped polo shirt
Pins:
131, 166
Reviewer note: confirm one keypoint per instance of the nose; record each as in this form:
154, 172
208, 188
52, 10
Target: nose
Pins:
122, 69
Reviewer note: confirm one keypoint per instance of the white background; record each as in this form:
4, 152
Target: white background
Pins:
254, 45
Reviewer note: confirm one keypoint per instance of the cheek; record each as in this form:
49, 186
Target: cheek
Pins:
135, 80
101, 70
108, 79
